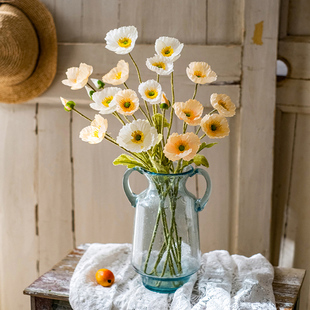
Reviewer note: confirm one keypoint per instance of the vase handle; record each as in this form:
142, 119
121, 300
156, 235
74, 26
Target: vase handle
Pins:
132, 197
201, 203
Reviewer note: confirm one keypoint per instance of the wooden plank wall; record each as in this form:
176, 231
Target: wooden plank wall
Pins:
291, 196
67, 195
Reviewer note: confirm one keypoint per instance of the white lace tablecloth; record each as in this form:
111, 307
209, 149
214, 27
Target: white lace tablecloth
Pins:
224, 281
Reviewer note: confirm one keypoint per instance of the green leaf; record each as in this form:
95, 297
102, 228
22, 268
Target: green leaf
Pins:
157, 120
205, 145
186, 163
201, 160
128, 161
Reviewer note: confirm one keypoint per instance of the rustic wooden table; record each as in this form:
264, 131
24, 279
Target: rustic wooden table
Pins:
51, 290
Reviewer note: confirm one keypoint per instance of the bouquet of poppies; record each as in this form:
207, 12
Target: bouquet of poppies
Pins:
148, 142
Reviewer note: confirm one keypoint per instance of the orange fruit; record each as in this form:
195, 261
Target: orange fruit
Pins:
105, 277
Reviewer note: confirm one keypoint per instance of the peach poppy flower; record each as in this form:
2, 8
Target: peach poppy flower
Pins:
182, 146
200, 73
118, 75
223, 104
189, 111
215, 126
127, 102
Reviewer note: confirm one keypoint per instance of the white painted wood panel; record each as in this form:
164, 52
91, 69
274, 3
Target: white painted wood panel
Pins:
256, 129
54, 185
299, 18
296, 232
294, 93
19, 252
284, 147
185, 21
296, 51
225, 22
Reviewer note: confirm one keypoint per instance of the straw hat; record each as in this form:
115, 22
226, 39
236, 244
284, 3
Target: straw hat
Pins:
28, 50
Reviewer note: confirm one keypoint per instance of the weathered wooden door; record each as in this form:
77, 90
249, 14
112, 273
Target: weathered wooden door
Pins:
292, 148
57, 191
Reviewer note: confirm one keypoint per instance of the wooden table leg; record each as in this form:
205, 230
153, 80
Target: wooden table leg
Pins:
41, 303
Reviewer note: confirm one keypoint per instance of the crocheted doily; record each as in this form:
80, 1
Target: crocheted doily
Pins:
223, 282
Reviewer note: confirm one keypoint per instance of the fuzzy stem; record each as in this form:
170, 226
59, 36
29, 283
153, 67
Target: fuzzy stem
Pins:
138, 71
172, 103
81, 114
118, 117
195, 91
91, 87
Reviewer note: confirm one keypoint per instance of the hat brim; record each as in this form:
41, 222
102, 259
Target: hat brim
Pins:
45, 70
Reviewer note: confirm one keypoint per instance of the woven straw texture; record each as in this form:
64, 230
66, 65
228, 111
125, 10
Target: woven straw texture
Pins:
28, 50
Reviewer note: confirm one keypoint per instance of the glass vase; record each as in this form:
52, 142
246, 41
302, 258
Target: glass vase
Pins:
166, 250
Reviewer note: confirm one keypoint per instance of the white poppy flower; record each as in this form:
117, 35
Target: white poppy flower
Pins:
77, 78
200, 73
95, 133
118, 75
138, 136
150, 91
122, 40
103, 100
127, 102
169, 47
223, 104
159, 64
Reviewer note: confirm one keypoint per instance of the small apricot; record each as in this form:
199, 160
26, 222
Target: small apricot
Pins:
105, 277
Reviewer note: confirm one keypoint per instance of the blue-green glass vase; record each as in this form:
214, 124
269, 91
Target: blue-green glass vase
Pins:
166, 250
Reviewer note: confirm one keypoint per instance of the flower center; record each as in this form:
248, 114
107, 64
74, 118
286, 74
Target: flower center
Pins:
213, 127
106, 101
137, 136
167, 51
181, 148
160, 65
187, 113
151, 93
96, 133
223, 104
199, 74
118, 75
124, 42
127, 104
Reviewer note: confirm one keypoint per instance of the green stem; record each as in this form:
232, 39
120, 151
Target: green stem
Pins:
126, 85
184, 127
202, 136
195, 91
212, 112
197, 131
118, 117
152, 240
138, 72
81, 114
91, 87
127, 119
172, 103
157, 78
134, 117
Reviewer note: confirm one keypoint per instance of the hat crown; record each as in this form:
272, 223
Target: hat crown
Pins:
19, 46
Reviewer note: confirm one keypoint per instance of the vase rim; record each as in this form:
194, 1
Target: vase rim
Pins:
189, 169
